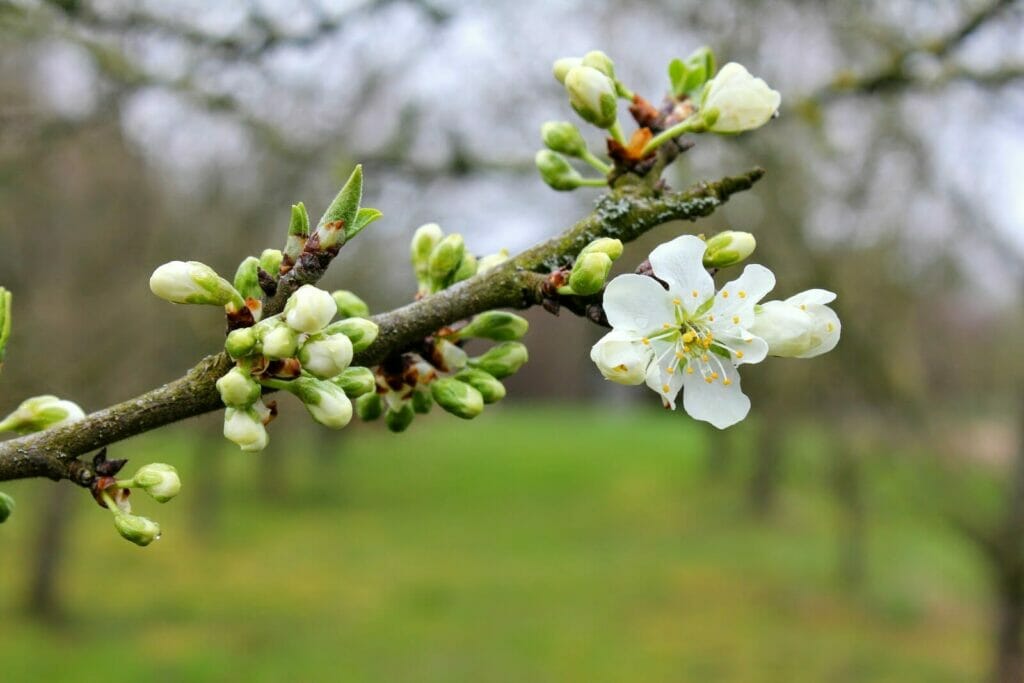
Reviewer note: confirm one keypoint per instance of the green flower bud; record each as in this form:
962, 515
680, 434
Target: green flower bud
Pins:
193, 282
444, 260
467, 268
592, 95
424, 240
491, 261
277, 340
502, 359
238, 389
243, 426
309, 309
326, 356
340, 217
422, 400
356, 381
562, 67
298, 232
5, 321
496, 325
604, 245
728, 248
326, 402
398, 419
138, 530
350, 305
241, 342
589, 273
369, 407
39, 413
360, 331
452, 356
6, 506
601, 62
458, 398
489, 387
158, 480
556, 171
247, 279
563, 137
270, 261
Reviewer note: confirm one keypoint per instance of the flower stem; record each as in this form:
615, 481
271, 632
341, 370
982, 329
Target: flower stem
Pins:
616, 132
589, 157
591, 182
687, 126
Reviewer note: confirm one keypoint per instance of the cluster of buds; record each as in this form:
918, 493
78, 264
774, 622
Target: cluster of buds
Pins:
439, 370
590, 269
299, 351
731, 101
160, 481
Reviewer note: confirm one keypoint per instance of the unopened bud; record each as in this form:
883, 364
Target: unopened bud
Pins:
589, 273
445, 260
244, 427
278, 341
600, 61
496, 325
238, 389
424, 240
369, 407
241, 342
158, 480
592, 95
458, 398
356, 381
728, 248
398, 418
247, 279
556, 171
502, 359
270, 262
562, 67
6, 506
139, 530
734, 101
298, 232
39, 413
466, 269
452, 356
5, 321
490, 388
192, 282
309, 309
491, 261
422, 400
339, 220
563, 137
604, 245
350, 305
326, 402
326, 357
360, 331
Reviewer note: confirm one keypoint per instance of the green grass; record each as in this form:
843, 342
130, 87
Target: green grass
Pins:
527, 545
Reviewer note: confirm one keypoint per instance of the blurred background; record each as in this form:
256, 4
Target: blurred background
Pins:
866, 523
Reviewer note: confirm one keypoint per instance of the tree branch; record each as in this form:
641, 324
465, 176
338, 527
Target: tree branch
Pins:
624, 214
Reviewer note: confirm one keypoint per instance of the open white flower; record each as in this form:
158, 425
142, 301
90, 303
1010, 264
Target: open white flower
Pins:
734, 101
802, 326
687, 336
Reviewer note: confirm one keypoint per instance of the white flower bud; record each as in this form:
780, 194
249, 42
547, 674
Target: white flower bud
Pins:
39, 413
138, 530
309, 309
243, 427
592, 96
453, 357
620, 359
563, 66
491, 261
350, 305
360, 331
734, 101
238, 389
192, 282
564, 138
326, 402
601, 62
728, 248
604, 245
423, 242
241, 342
326, 357
158, 480
799, 327
279, 342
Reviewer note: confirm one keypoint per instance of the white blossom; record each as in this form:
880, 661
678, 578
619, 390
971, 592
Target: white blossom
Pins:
734, 101
802, 326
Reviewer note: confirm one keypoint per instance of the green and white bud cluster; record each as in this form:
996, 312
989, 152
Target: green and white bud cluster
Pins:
302, 352
439, 260
592, 266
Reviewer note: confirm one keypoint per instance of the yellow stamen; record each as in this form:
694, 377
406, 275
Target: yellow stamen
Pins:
688, 337
708, 380
621, 368
711, 318
689, 369
695, 294
665, 388
714, 375
680, 355
739, 354
831, 327
666, 326
803, 307
677, 301
645, 341
735, 320
743, 295
725, 294
726, 381
704, 357
671, 370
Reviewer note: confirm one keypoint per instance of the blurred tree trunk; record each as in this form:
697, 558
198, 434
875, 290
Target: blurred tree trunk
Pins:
49, 553
722, 450
762, 491
849, 491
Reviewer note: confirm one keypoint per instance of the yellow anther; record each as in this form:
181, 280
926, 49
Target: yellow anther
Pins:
689, 369
735, 320
831, 327
803, 307
680, 355
688, 337
695, 294
708, 380
677, 301
726, 381
645, 341
711, 318
739, 354
725, 294
665, 388
743, 295
621, 367
666, 326
714, 375
671, 370
704, 357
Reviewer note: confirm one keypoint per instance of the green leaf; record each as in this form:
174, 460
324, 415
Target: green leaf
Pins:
677, 72
363, 218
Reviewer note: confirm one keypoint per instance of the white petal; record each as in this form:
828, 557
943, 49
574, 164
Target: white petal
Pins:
734, 303
720, 404
825, 331
637, 303
664, 383
753, 348
621, 357
680, 263
812, 296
